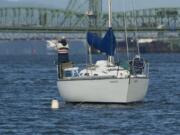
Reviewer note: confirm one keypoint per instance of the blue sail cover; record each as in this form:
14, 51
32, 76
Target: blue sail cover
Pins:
106, 44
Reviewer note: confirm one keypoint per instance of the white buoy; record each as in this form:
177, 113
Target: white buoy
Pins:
54, 104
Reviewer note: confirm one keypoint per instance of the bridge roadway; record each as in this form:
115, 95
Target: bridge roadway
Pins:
35, 20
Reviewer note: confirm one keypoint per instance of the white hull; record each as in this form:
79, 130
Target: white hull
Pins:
123, 90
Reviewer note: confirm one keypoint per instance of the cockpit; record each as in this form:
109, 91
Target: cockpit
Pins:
71, 72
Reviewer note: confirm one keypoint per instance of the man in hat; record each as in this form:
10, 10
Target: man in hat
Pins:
63, 56
63, 51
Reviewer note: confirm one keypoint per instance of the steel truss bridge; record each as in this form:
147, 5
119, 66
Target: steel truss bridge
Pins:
90, 18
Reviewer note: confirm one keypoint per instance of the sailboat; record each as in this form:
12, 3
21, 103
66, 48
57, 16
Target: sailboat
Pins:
106, 81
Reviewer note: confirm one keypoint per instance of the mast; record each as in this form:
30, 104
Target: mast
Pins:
110, 13
110, 58
125, 27
136, 37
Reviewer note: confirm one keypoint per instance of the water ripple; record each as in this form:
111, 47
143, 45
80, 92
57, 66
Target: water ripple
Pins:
28, 84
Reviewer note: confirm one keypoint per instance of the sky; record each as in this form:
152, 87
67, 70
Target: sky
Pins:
117, 4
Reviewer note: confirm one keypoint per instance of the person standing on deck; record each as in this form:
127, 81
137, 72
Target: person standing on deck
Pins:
63, 51
63, 56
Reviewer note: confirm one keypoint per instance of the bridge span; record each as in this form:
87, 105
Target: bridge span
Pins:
34, 20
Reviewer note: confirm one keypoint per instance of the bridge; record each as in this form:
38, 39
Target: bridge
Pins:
79, 18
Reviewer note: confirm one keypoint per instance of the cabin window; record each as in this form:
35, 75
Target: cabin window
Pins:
86, 74
67, 74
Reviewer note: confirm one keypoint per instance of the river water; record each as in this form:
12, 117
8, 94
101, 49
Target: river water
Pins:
28, 84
